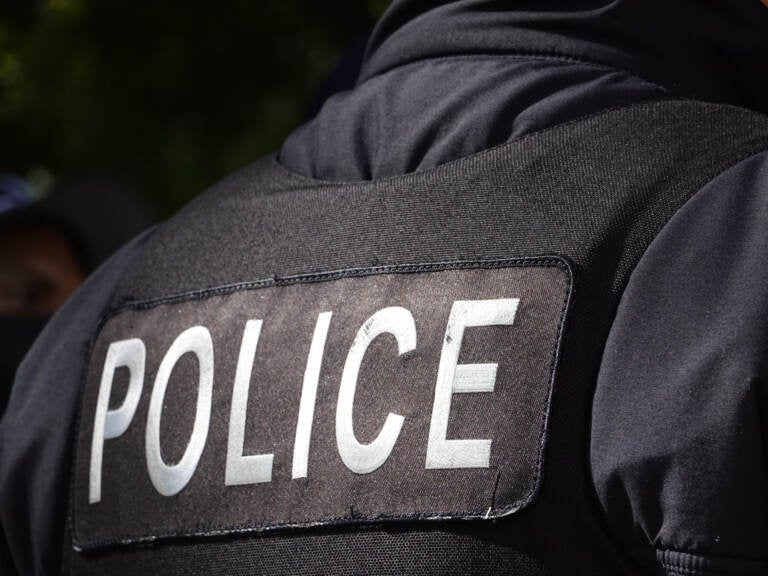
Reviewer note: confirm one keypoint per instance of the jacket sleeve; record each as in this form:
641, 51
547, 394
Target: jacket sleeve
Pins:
36, 433
679, 449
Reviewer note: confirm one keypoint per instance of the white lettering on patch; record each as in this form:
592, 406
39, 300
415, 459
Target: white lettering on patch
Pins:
454, 378
169, 480
244, 469
108, 424
441, 453
309, 396
365, 458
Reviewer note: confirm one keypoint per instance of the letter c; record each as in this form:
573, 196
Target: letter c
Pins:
365, 458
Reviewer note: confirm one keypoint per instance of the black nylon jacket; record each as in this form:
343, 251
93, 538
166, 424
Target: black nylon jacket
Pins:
655, 455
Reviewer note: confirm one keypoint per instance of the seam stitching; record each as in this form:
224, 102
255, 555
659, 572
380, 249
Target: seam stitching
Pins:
522, 55
275, 281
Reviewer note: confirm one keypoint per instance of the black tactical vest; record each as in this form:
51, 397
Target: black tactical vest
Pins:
389, 377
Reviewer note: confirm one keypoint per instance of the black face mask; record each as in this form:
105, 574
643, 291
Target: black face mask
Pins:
16, 337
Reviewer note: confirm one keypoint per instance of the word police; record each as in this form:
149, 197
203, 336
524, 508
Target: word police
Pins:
170, 479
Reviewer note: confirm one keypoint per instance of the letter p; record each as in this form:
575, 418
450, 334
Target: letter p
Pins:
113, 423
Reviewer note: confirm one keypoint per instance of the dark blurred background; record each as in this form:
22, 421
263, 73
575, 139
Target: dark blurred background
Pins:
114, 114
166, 97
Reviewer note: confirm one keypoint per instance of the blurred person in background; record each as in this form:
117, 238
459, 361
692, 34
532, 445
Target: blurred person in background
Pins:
47, 249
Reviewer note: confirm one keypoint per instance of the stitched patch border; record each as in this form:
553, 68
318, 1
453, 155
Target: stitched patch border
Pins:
352, 517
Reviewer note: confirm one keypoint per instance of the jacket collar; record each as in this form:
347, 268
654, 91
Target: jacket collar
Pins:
712, 50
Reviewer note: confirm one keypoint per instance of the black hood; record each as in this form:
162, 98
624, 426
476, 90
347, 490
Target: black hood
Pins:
713, 50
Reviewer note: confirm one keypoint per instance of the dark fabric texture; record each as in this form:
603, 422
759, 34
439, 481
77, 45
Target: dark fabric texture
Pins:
441, 80
417, 116
679, 424
16, 336
429, 551
513, 416
671, 44
596, 191
650, 164
676, 563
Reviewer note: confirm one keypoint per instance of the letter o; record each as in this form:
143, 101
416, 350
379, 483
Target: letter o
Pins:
170, 480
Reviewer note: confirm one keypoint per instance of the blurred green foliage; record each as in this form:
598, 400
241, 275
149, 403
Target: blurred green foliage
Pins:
167, 96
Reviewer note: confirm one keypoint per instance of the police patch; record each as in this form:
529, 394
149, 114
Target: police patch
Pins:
366, 395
